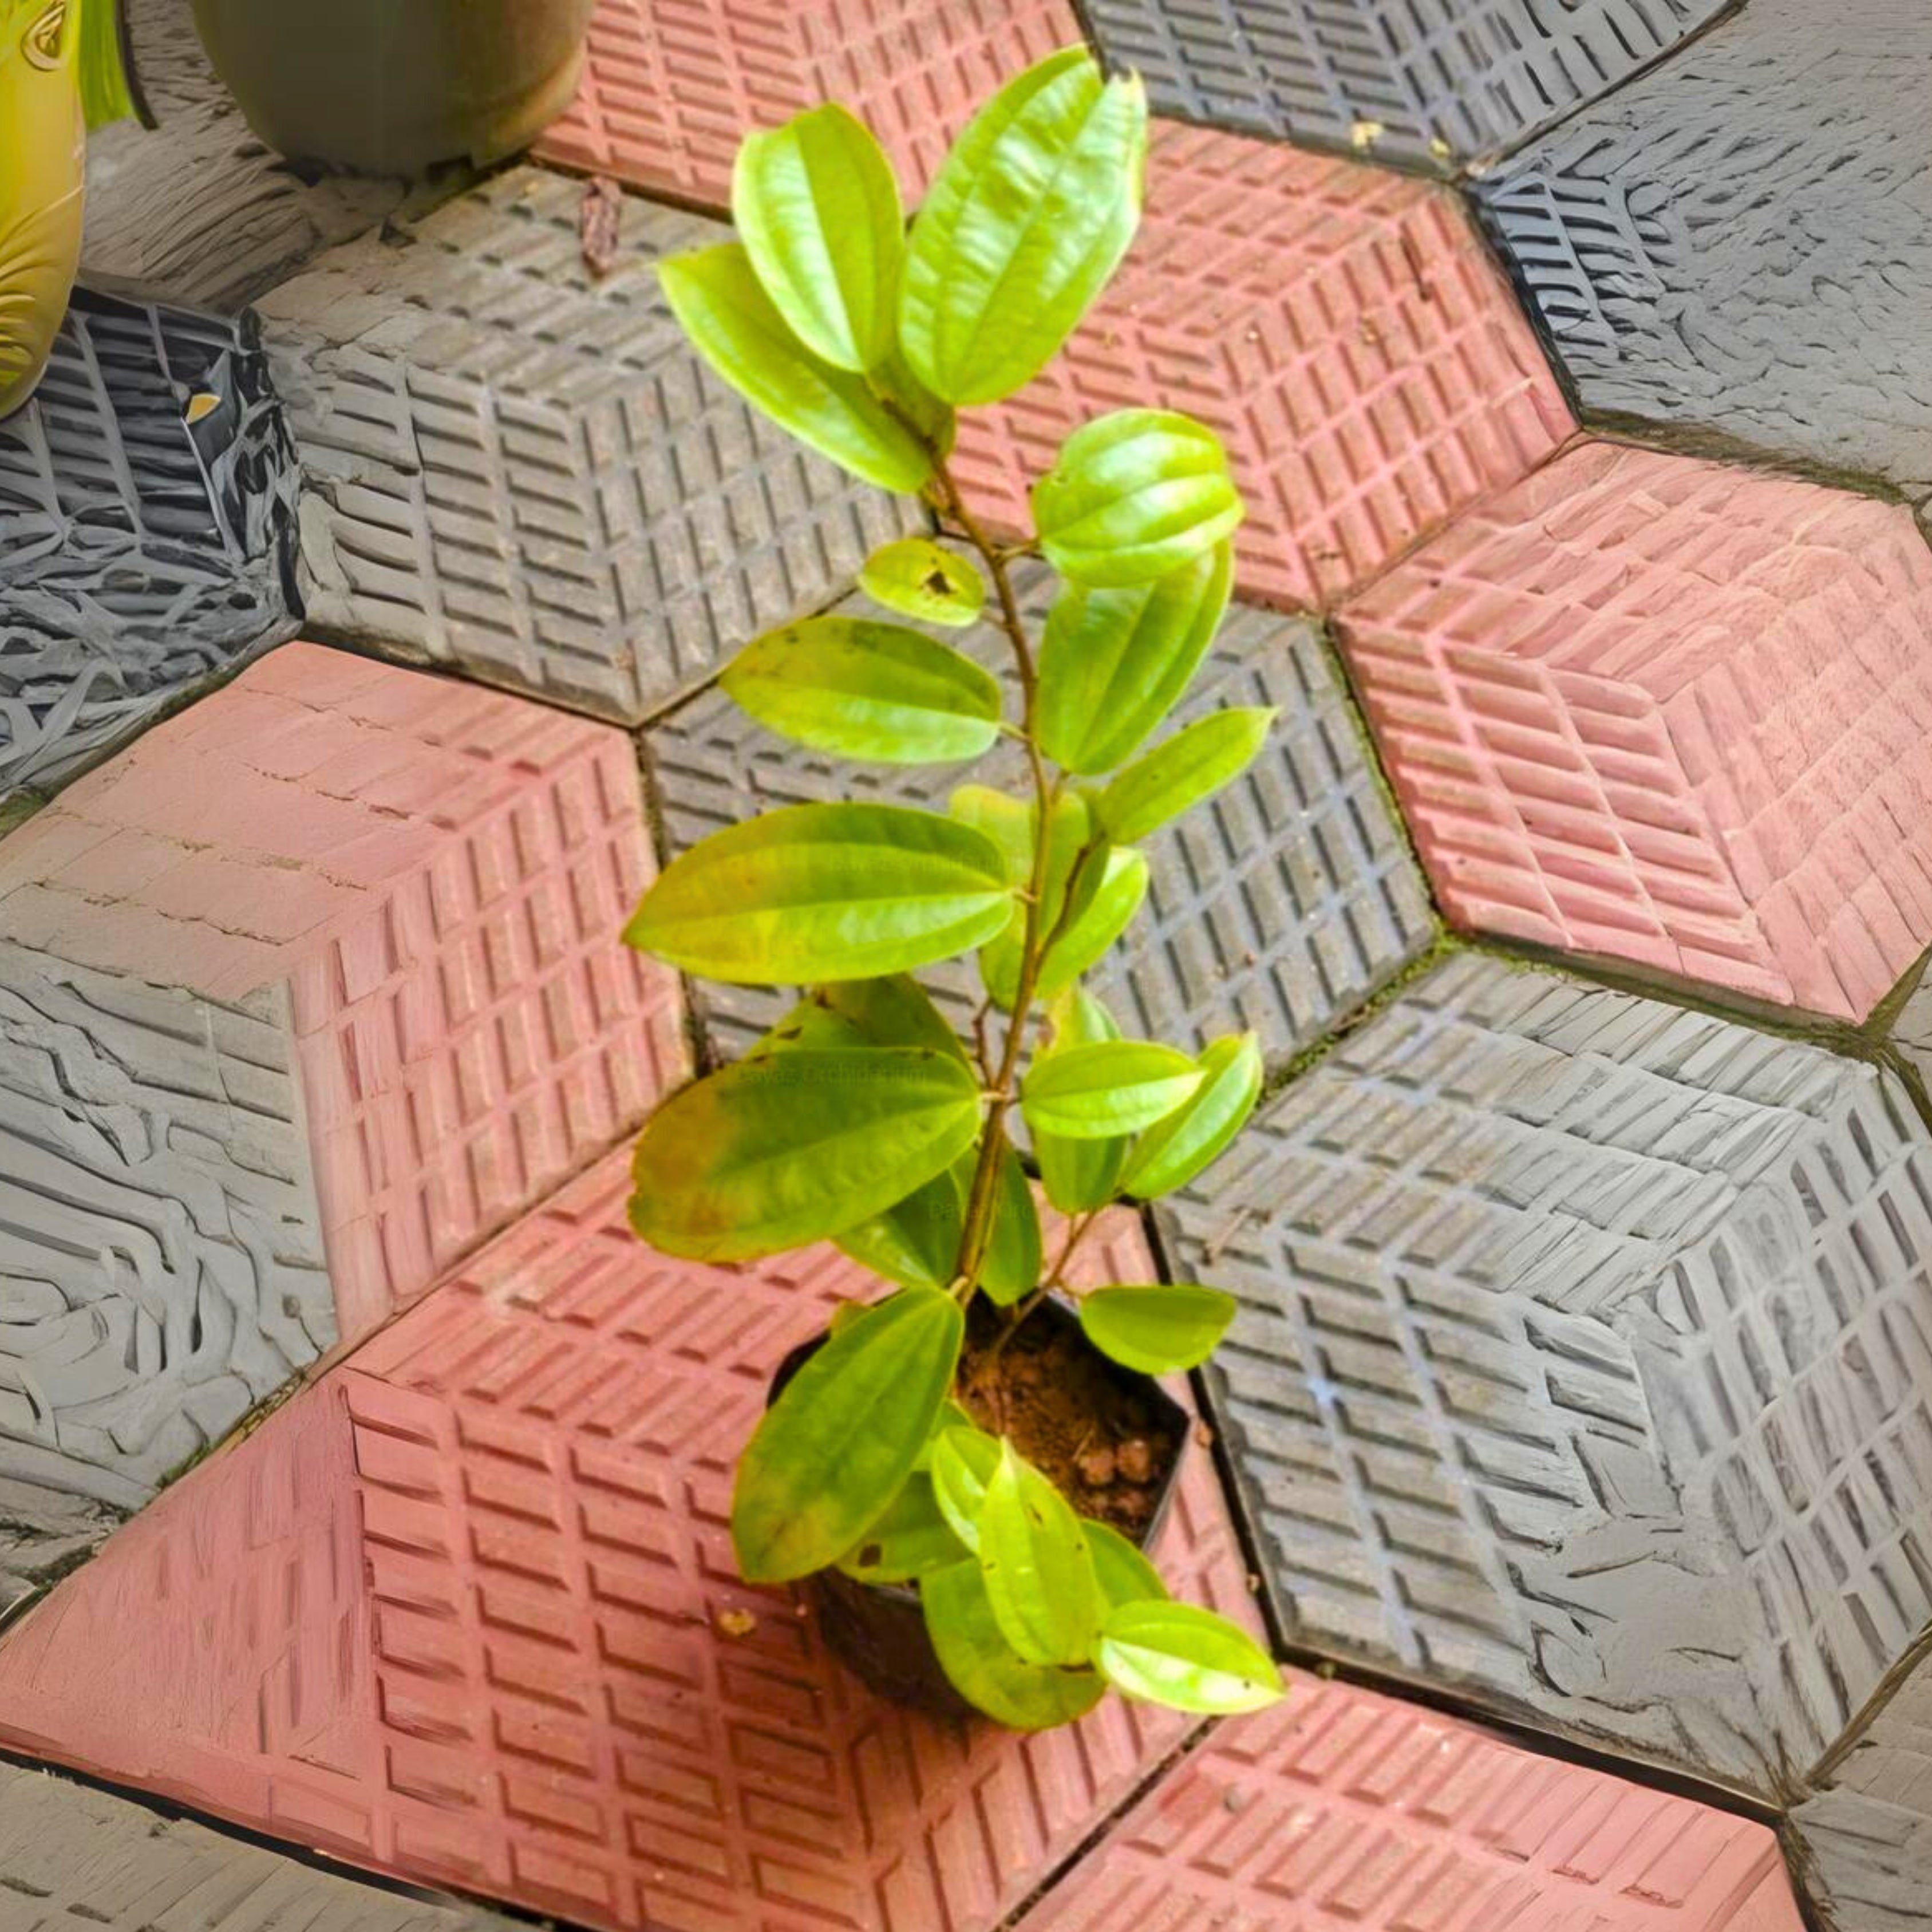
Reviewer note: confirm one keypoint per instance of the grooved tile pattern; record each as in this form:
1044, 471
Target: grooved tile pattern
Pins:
1741, 241
1672, 712
1341, 328
1585, 1364
519, 473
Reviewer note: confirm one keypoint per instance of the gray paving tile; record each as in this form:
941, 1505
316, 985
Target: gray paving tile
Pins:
1280, 907
1429, 82
517, 470
1741, 241
1585, 1364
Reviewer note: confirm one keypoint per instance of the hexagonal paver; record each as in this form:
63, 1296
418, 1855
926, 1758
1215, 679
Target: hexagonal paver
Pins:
1741, 241
146, 525
1281, 907
1585, 1364
460, 1611
521, 472
1342, 328
1671, 712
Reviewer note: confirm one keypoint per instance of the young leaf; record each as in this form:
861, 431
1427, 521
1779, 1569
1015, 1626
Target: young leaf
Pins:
814, 893
836, 1448
1156, 1330
1173, 1151
982, 1666
865, 690
1028, 217
1134, 495
1078, 1174
1122, 885
962, 1462
1178, 773
910, 1538
1038, 1570
1111, 1087
782, 1149
1011, 1266
919, 578
818, 211
717, 298
1187, 1658
1113, 663
916, 1241
1124, 1575
1011, 824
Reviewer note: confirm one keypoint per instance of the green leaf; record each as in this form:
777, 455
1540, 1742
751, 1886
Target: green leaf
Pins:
982, 1666
1038, 1571
836, 1448
1187, 1658
1134, 495
1177, 774
818, 210
865, 690
1173, 1151
105, 94
717, 298
1113, 663
785, 1148
919, 578
1027, 219
1011, 1266
951, 1416
891, 1010
1071, 830
1111, 1087
962, 1462
1078, 1174
1123, 884
916, 1241
1007, 821
910, 1538
1156, 1330
1124, 1574
814, 893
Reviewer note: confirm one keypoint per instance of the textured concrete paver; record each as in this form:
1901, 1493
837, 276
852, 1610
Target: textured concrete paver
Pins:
1741, 241
1672, 712
524, 473
455, 1611
1585, 1364
1341, 1809
1341, 329
1280, 907
146, 525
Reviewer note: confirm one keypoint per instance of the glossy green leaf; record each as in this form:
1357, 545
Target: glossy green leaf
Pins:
721, 305
1181, 771
1111, 1087
1156, 1330
782, 1149
962, 1462
1038, 1569
919, 578
916, 1241
812, 893
1028, 217
845, 1314
1187, 1658
1122, 886
1078, 1174
1134, 495
1007, 820
1067, 877
893, 1009
817, 207
1173, 1151
951, 1416
1124, 1575
1011, 1266
836, 1448
1113, 663
865, 690
982, 1666
106, 96
910, 1538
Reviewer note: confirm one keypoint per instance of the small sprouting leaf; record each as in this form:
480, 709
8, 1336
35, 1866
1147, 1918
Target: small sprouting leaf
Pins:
1027, 219
982, 1666
1078, 1174
812, 892
837, 1446
1181, 771
1173, 1151
1011, 1266
1134, 495
1187, 1658
1038, 1571
817, 206
1123, 884
865, 690
1111, 1087
1124, 1574
910, 1538
1156, 1330
919, 578
962, 1462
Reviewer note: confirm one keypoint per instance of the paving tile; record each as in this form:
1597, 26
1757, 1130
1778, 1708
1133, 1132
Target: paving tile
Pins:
1670, 713
75, 1859
141, 553
1585, 1364
670, 87
1281, 907
1741, 241
524, 474
1342, 328
454, 1611
1340, 1808
1426, 84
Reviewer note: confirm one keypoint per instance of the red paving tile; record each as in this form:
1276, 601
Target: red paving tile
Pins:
454, 1613
1671, 712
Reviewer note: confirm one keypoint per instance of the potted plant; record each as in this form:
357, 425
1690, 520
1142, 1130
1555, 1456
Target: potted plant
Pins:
968, 1467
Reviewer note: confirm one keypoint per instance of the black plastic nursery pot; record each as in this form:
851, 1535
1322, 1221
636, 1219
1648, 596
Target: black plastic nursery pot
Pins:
878, 1631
